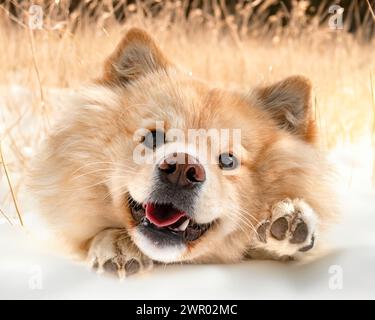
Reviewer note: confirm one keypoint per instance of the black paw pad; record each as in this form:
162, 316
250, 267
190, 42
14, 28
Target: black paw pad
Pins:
279, 228
300, 233
310, 246
110, 266
262, 232
132, 266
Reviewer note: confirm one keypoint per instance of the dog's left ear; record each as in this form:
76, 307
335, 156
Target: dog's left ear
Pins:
289, 104
135, 56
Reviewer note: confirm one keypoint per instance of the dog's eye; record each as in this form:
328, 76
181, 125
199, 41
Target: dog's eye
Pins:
227, 161
154, 139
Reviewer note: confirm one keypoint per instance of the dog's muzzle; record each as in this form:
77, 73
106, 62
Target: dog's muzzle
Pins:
167, 215
181, 170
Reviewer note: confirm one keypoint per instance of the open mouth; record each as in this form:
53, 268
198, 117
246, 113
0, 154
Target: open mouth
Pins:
166, 223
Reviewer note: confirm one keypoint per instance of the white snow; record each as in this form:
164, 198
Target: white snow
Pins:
28, 269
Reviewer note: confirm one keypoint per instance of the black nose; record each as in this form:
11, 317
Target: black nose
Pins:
182, 170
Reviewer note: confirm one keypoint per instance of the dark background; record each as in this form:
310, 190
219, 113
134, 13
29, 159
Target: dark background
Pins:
356, 14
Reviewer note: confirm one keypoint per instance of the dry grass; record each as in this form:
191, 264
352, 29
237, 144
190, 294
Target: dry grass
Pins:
222, 51
12, 193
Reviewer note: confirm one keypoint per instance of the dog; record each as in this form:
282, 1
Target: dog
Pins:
264, 193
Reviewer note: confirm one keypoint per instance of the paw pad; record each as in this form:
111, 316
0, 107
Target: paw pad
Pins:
279, 228
299, 234
111, 253
293, 223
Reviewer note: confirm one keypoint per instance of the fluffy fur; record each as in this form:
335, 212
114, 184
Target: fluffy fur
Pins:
85, 169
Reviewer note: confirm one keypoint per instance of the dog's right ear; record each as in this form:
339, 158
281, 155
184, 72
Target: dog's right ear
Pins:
288, 102
135, 56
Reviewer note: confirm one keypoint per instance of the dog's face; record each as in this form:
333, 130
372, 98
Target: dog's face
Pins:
184, 158
182, 200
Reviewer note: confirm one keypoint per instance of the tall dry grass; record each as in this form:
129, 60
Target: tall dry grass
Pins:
216, 46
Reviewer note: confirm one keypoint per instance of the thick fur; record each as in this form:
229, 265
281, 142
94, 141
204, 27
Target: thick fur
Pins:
85, 168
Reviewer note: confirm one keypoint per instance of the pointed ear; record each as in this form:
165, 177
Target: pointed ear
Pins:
289, 104
135, 56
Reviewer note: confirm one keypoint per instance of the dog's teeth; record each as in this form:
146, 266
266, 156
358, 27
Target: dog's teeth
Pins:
184, 225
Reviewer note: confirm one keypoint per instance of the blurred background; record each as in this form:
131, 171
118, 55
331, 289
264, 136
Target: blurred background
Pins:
50, 48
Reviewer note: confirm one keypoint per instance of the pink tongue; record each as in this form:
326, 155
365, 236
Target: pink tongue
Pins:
162, 215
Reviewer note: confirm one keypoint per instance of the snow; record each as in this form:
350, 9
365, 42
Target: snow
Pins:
30, 269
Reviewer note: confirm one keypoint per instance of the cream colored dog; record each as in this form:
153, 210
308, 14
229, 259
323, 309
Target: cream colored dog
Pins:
114, 185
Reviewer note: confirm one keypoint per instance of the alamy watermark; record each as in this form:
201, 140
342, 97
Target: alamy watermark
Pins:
35, 17
336, 20
336, 280
36, 278
206, 145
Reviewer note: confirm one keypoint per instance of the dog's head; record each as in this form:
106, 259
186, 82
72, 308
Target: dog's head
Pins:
188, 161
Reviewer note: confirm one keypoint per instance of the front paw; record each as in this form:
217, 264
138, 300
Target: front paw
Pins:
113, 252
290, 229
